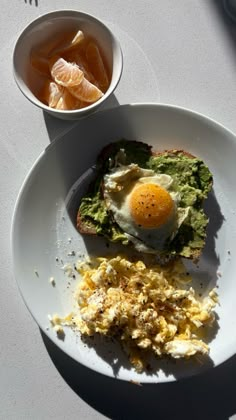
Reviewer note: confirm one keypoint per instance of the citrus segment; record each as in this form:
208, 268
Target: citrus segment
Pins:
78, 58
86, 91
51, 93
66, 74
67, 101
69, 44
77, 40
45, 49
40, 64
97, 66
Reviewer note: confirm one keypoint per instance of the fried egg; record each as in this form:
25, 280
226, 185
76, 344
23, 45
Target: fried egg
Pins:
144, 205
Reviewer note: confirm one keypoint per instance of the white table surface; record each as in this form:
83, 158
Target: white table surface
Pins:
180, 52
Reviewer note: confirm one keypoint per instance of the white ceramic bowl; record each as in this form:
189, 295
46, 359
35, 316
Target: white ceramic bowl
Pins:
44, 233
44, 27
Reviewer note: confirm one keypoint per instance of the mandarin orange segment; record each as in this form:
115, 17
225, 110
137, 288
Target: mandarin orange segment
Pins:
51, 93
66, 74
150, 205
40, 64
68, 44
45, 49
68, 102
86, 91
97, 66
78, 38
78, 58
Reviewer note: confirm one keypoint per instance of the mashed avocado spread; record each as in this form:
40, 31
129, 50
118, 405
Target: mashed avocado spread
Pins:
192, 179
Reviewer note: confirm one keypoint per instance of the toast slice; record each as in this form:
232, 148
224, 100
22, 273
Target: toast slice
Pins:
190, 172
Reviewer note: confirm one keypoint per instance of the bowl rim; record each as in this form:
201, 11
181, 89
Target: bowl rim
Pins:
67, 13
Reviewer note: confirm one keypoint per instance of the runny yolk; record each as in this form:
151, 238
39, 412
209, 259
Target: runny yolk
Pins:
150, 205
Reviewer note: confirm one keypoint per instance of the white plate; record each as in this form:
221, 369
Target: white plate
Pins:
43, 231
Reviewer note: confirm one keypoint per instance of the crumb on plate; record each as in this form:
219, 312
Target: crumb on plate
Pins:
52, 281
60, 331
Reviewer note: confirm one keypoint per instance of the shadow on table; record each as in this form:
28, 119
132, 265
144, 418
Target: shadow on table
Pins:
208, 396
229, 23
32, 2
57, 127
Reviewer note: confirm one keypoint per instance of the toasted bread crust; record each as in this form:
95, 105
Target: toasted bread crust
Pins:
107, 151
83, 228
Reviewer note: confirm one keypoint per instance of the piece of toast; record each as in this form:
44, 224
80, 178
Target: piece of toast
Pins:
87, 228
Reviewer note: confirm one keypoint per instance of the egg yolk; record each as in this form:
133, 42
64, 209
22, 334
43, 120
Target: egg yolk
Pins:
150, 205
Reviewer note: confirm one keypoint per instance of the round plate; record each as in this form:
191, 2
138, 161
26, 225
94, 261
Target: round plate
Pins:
44, 237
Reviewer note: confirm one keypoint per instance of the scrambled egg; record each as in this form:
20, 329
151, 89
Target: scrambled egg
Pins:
146, 307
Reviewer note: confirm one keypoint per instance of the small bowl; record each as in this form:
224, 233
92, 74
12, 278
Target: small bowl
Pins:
47, 26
